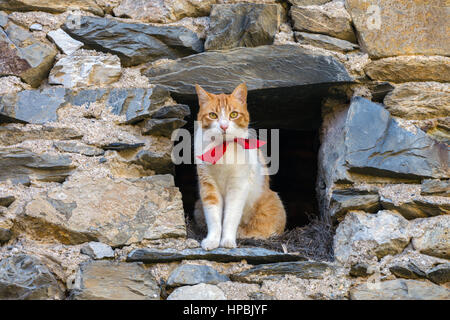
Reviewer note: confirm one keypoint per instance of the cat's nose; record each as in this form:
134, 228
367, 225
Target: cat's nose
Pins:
224, 126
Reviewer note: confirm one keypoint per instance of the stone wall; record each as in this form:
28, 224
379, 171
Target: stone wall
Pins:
91, 90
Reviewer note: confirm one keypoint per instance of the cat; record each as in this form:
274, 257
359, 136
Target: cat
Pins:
235, 197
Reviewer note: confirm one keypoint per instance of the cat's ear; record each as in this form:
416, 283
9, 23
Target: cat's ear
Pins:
203, 95
240, 93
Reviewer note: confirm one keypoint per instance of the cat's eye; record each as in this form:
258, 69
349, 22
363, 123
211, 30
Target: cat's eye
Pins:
213, 115
233, 115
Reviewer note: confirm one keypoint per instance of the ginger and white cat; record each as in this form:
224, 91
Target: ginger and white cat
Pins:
235, 197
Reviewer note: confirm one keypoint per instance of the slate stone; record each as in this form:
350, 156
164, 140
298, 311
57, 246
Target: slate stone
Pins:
161, 127
107, 280
116, 212
36, 27
53, 6
399, 289
178, 111
119, 146
160, 163
41, 106
290, 77
409, 271
25, 277
133, 43
359, 270
416, 208
64, 42
78, 147
242, 25
324, 41
33, 106
6, 201
24, 56
436, 187
377, 145
251, 255
191, 274
272, 271
21, 165
344, 200
97, 250
13, 135
5, 235
3, 19
439, 274
200, 291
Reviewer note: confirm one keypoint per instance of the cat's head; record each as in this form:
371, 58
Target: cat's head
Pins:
224, 114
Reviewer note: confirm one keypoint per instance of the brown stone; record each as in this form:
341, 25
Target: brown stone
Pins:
419, 100
331, 19
410, 68
401, 27
53, 6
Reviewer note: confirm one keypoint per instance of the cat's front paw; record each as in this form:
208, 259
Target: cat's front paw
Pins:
210, 243
228, 243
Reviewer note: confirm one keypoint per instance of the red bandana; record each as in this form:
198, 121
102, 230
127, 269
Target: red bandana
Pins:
214, 154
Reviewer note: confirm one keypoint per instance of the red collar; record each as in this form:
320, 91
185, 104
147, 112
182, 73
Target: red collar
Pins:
214, 154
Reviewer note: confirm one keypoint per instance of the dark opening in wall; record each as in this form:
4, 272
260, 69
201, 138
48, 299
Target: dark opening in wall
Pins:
295, 180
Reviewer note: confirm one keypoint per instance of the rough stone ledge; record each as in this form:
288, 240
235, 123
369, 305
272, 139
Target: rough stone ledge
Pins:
251, 255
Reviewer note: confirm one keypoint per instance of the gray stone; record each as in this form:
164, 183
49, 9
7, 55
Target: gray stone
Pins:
330, 19
324, 41
3, 19
81, 70
78, 147
33, 106
417, 208
161, 163
345, 200
399, 290
25, 277
64, 42
439, 274
24, 56
285, 75
377, 145
261, 296
6, 201
53, 6
116, 212
13, 135
161, 127
41, 106
36, 27
191, 274
360, 235
107, 280
242, 25
134, 43
436, 187
431, 236
179, 111
120, 146
308, 2
273, 271
251, 255
383, 30
20, 165
419, 100
359, 270
163, 11
5, 235
408, 271
97, 250
200, 291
